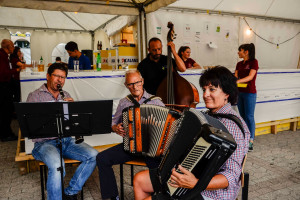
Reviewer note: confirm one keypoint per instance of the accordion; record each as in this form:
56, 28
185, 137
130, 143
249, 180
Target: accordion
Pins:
149, 129
201, 145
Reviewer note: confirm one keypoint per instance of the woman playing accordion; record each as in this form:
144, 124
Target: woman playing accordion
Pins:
219, 93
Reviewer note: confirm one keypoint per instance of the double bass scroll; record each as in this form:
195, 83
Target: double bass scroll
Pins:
175, 90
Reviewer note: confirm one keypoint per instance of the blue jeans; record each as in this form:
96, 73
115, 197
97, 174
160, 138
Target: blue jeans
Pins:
246, 105
48, 152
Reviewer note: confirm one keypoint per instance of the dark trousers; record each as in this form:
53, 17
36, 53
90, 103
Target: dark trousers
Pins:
16, 89
6, 109
105, 161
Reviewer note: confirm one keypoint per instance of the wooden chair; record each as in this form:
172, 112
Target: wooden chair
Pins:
43, 175
244, 181
139, 162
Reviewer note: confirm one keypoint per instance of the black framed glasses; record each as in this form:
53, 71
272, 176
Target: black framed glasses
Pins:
58, 76
131, 85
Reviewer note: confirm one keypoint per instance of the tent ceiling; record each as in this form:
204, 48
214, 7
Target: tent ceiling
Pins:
286, 9
57, 20
114, 7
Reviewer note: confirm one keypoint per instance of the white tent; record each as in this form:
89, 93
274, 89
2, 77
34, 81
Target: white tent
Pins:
53, 22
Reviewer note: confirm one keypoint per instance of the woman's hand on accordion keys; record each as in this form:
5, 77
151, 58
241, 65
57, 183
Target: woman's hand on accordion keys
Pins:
185, 180
119, 129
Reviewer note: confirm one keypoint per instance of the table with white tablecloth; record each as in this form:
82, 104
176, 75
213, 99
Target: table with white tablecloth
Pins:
278, 92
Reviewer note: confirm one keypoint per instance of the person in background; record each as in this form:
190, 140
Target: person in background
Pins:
154, 67
116, 155
184, 53
57, 60
75, 54
6, 97
219, 93
246, 71
17, 63
47, 149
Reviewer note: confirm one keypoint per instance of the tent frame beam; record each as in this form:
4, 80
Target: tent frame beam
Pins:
41, 29
229, 13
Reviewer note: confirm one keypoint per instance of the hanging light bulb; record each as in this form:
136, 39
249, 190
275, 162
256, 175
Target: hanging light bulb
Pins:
248, 31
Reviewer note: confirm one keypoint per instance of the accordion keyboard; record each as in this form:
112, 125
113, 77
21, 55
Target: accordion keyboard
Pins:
190, 161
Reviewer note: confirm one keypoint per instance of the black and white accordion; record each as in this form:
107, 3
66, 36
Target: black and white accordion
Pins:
202, 144
149, 129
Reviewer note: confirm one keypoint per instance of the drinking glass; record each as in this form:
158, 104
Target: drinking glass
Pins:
34, 65
76, 65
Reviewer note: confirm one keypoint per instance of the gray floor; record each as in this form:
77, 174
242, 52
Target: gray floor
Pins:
274, 168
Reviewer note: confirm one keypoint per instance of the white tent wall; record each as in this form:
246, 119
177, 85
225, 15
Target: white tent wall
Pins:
4, 34
100, 35
43, 42
269, 56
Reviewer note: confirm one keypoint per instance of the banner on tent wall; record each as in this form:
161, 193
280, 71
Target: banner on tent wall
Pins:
20, 36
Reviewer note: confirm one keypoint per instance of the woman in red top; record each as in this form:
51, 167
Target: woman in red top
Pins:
184, 53
246, 71
16, 63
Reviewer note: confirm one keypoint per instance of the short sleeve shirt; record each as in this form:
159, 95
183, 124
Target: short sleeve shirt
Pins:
189, 63
244, 70
84, 62
153, 72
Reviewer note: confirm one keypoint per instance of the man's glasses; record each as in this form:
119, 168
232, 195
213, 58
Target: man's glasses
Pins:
58, 76
131, 85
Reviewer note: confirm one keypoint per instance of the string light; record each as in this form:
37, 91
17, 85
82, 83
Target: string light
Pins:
248, 31
277, 45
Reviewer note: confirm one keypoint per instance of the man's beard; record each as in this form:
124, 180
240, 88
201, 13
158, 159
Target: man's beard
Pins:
156, 57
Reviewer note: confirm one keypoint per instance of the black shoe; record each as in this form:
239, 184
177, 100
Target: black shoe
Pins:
115, 198
9, 138
70, 197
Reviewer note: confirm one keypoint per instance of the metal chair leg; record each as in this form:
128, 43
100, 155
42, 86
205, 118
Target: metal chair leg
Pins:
132, 173
121, 182
246, 186
42, 182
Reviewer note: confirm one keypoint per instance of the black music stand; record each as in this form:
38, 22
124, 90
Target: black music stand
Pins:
64, 119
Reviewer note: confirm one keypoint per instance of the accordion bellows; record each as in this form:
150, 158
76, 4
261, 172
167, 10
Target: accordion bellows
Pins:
149, 129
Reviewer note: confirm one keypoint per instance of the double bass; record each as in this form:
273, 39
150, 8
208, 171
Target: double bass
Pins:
175, 90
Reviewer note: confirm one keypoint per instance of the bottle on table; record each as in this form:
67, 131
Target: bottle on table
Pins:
41, 65
98, 61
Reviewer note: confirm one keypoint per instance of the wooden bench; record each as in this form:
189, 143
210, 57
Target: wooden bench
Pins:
21, 156
293, 124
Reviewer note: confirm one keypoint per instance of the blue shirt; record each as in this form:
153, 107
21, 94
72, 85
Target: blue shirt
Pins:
84, 62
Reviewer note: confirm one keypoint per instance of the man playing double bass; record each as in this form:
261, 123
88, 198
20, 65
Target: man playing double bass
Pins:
154, 67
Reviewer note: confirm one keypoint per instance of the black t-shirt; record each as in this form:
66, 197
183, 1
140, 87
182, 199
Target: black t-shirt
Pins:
153, 72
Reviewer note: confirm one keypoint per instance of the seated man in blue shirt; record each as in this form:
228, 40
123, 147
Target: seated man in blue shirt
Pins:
75, 54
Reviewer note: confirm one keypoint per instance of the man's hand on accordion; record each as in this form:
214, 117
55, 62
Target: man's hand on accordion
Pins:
119, 129
184, 180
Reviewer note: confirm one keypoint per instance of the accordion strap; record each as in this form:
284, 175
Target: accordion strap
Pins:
151, 98
232, 117
132, 99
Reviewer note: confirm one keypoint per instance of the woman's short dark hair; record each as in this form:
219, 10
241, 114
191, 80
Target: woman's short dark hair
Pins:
59, 66
220, 76
182, 49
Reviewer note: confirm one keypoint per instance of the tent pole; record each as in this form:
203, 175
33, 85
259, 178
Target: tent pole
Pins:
92, 40
139, 38
143, 35
298, 67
